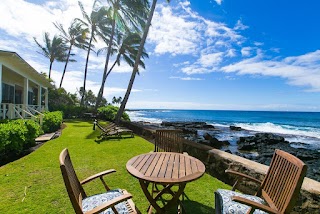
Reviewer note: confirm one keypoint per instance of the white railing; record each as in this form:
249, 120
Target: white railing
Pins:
15, 111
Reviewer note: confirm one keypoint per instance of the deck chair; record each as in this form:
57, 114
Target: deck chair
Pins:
277, 193
109, 202
112, 130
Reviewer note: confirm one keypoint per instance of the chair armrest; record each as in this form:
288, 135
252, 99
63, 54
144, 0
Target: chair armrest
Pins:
98, 175
243, 175
254, 204
110, 203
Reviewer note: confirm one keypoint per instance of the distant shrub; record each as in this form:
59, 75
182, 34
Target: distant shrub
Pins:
52, 121
70, 112
109, 113
17, 135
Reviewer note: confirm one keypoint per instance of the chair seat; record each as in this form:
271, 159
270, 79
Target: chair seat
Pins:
91, 202
225, 205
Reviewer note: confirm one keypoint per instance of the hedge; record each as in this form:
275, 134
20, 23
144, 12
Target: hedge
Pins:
109, 113
18, 135
52, 121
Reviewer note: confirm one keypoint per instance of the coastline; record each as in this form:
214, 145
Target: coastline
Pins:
256, 146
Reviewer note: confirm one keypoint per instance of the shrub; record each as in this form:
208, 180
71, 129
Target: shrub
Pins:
109, 113
17, 135
34, 130
52, 121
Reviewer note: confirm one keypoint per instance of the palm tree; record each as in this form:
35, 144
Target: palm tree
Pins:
98, 24
124, 14
75, 36
126, 51
53, 50
136, 63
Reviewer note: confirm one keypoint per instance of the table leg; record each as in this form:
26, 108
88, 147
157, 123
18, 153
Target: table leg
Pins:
167, 189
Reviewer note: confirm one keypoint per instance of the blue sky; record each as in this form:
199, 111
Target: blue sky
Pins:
208, 54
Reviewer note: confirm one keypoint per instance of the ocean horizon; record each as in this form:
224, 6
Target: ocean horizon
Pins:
301, 129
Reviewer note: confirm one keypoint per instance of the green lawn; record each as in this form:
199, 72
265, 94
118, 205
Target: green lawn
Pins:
38, 174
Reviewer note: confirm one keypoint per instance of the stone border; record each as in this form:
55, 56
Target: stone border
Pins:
218, 161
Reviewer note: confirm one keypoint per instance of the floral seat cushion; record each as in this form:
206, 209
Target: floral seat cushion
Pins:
225, 205
91, 202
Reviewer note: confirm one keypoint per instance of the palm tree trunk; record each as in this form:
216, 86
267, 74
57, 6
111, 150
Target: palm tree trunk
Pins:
85, 70
65, 66
136, 63
100, 94
50, 67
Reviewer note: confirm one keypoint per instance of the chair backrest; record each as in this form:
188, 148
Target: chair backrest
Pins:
168, 141
281, 186
71, 181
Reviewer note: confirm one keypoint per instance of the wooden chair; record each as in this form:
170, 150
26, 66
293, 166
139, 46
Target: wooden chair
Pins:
117, 200
277, 193
167, 140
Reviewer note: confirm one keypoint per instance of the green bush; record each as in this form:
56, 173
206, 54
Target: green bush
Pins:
17, 135
52, 121
34, 130
109, 113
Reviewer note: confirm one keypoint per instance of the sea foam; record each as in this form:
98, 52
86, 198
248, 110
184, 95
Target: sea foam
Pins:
281, 129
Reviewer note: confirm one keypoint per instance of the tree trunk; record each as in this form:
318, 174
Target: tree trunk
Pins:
85, 70
100, 94
50, 67
136, 63
65, 66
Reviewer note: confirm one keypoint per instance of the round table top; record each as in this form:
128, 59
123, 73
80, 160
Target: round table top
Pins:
165, 167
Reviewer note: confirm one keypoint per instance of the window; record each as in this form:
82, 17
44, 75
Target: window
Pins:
30, 98
7, 93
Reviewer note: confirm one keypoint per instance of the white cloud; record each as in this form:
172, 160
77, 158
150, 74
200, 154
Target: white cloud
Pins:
258, 43
209, 60
218, 2
240, 26
187, 78
300, 70
231, 53
173, 33
179, 31
246, 51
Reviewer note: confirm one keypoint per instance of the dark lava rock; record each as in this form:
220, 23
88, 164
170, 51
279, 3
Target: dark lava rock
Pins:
214, 142
235, 128
265, 144
208, 126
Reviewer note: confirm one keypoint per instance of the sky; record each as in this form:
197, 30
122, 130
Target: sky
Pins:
208, 54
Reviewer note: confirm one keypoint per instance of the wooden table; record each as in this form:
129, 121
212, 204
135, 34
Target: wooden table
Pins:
167, 169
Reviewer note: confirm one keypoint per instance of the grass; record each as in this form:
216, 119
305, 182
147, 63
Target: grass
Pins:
33, 184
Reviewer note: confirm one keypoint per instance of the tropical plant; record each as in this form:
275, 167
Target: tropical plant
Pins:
109, 113
116, 100
54, 49
98, 25
127, 50
137, 61
125, 15
75, 36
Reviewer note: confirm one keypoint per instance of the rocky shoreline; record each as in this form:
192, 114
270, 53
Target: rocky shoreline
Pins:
258, 147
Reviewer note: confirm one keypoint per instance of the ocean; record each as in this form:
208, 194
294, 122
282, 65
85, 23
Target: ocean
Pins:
301, 129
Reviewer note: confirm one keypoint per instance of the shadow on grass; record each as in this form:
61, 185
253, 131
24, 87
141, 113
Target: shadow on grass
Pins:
110, 138
196, 207
75, 121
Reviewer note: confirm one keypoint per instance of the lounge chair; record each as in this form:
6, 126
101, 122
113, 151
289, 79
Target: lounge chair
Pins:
112, 130
278, 191
117, 200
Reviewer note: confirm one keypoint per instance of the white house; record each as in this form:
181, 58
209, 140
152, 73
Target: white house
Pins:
24, 92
